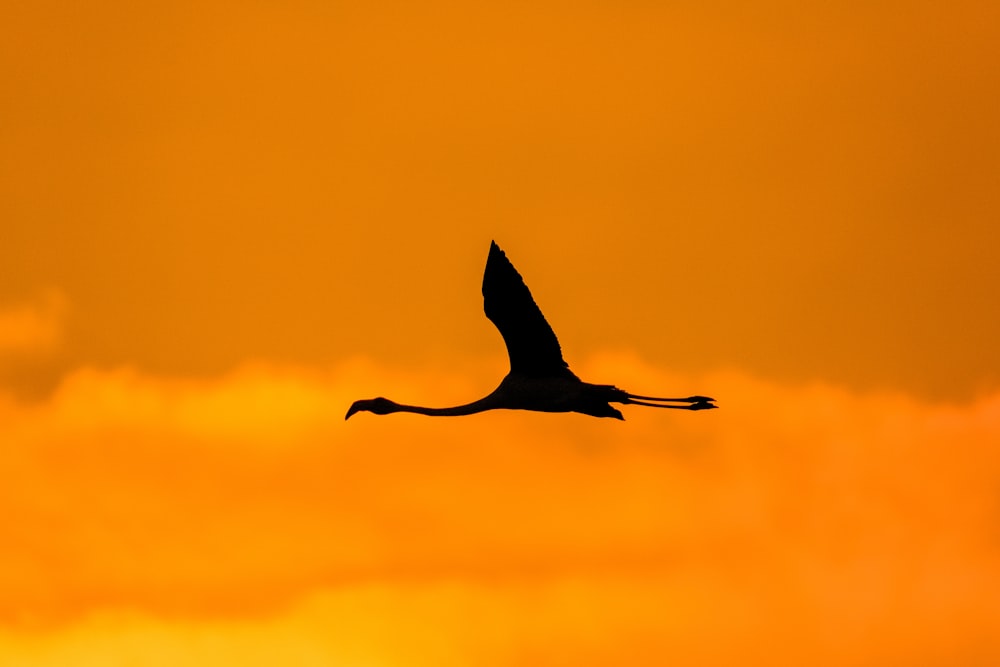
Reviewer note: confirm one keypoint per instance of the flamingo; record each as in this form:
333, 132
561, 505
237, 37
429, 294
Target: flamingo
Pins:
539, 378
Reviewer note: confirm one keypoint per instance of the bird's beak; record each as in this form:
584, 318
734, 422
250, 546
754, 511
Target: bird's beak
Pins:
354, 408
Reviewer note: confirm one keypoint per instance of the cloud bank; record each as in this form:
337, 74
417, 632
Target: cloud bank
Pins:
153, 520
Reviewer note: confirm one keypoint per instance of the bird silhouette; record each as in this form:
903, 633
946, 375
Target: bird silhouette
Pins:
539, 378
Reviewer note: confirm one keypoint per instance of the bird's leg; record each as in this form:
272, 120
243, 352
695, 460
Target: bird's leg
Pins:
694, 405
695, 402
689, 399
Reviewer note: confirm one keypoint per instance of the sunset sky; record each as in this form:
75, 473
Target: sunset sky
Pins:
221, 223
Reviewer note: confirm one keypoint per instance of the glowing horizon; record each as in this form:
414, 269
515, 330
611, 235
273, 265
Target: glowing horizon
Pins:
878, 526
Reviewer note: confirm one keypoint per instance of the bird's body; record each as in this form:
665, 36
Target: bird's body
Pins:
539, 377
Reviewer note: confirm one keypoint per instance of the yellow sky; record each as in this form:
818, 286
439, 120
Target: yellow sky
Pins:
220, 223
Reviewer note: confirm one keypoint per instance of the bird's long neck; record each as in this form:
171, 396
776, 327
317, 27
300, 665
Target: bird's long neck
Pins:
481, 405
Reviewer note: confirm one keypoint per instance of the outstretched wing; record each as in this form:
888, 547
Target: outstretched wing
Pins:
531, 344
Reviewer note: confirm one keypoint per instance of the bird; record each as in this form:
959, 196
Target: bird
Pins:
539, 377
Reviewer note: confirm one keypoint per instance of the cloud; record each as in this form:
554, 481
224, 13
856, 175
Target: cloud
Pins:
680, 619
32, 327
807, 524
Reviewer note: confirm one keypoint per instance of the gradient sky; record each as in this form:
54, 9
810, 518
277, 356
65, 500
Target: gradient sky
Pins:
220, 223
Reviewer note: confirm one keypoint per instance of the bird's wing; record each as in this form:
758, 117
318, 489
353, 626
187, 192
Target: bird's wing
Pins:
531, 344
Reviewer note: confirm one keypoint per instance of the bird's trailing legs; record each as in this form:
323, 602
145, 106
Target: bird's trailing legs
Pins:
695, 402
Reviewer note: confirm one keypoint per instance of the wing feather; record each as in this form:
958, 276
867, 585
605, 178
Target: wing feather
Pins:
531, 344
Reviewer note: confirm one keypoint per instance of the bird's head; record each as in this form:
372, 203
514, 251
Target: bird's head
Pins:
378, 406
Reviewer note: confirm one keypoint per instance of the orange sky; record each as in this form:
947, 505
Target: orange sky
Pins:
220, 223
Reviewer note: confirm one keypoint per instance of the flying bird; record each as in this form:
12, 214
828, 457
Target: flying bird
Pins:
539, 378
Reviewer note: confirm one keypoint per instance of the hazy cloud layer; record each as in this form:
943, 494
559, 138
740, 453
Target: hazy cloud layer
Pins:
31, 327
243, 516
